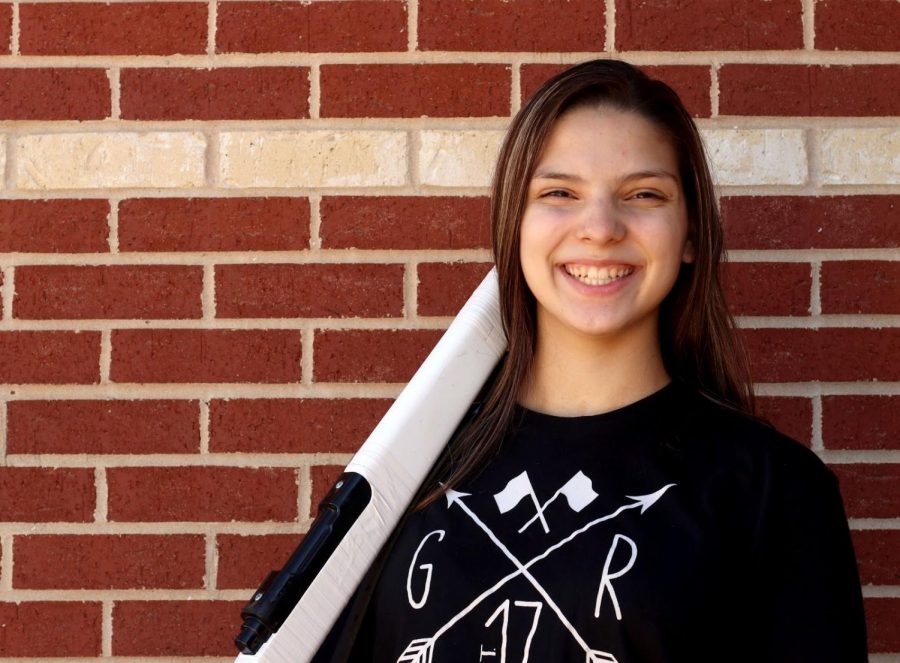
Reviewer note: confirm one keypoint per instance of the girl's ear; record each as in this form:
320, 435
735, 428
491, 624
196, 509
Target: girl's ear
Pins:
689, 254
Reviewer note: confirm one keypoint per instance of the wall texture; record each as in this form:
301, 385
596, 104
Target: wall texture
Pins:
231, 230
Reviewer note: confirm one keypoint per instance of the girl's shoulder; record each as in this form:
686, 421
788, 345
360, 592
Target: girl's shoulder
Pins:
711, 430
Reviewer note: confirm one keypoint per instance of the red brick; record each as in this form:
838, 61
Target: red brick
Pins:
5, 28
497, 25
315, 291
768, 288
708, 25
400, 90
317, 27
860, 287
49, 292
106, 427
200, 494
191, 628
54, 94
371, 356
791, 415
861, 90
226, 93
130, 28
49, 357
445, 287
323, 478
801, 222
861, 422
214, 224
245, 561
861, 25
878, 556
50, 628
54, 226
205, 355
284, 425
832, 354
99, 561
870, 491
692, 83
39, 494
882, 617
405, 222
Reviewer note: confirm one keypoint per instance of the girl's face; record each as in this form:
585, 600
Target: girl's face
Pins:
605, 226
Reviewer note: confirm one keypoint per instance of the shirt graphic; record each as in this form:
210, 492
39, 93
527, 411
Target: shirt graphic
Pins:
579, 498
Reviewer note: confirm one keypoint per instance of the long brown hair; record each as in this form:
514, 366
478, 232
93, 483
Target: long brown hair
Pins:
699, 346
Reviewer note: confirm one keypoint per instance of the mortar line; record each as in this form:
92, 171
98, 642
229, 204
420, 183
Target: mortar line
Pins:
714, 89
211, 21
305, 59
6, 562
315, 91
609, 39
204, 426
14, 38
106, 628
411, 290
211, 158
101, 509
413, 146
212, 562
815, 287
10, 141
208, 293
809, 24
114, 75
304, 493
105, 355
8, 292
515, 88
412, 25
307, 343
113, 237
817, 442
813, 158
4, 430
315, 222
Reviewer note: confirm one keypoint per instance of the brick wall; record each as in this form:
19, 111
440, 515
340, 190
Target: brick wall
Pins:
230, 230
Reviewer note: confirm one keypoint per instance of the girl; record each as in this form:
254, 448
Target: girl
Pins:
614, 499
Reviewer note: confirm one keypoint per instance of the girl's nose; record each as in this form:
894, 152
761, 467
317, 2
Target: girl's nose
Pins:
600, 222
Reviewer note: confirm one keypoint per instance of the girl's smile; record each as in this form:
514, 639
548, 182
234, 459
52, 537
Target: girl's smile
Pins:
605, 227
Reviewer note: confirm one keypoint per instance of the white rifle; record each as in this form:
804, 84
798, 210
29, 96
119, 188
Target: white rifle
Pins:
293, 611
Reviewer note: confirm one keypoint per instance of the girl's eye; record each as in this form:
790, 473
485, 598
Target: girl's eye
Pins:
647, 195
556, 193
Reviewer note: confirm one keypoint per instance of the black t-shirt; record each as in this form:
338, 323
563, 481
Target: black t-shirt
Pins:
670, 530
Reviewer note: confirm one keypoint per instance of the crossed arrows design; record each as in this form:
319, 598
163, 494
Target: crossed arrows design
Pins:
421, 650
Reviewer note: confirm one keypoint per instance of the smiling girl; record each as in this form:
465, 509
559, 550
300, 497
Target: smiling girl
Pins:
614, 498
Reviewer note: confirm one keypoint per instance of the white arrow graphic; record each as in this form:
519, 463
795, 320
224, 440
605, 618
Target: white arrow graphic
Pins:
455, 497
418, 651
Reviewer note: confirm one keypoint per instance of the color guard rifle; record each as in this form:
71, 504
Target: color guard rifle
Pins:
294, 609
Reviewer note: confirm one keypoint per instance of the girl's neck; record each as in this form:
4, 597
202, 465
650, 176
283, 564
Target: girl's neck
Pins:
580, 376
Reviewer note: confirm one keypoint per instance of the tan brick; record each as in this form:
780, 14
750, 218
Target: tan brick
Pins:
860, 156
110, 160
2, 153
313, 158
458, 158
757, 156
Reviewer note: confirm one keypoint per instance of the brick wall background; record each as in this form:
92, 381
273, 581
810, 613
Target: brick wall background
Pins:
231, 230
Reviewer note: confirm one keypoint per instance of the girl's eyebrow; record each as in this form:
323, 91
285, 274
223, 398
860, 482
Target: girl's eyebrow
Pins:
639, 175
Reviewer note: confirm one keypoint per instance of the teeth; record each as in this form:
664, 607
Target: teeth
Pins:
598, 275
